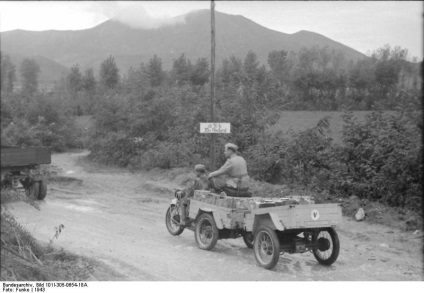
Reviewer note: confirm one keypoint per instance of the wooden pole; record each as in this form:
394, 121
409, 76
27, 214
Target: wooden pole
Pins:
213, 135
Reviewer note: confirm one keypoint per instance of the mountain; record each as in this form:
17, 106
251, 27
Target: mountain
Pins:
235, 34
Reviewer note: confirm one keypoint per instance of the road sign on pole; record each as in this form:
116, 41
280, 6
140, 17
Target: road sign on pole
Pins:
215, 127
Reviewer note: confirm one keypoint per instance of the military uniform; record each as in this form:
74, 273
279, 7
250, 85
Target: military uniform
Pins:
200, 183
232, 174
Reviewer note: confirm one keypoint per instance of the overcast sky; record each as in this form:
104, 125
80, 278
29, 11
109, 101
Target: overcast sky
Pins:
364, 26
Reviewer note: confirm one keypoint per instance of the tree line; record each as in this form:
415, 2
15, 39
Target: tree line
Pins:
314, 78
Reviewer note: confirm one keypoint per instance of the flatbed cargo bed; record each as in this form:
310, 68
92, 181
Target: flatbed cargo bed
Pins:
17, 157
280, 213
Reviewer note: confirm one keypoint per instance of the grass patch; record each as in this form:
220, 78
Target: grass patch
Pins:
301, 120
56, 266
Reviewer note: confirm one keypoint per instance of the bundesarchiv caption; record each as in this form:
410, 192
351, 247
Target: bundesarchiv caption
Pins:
40, 286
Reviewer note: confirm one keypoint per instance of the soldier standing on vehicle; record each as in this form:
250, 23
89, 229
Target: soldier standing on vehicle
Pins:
200, 183
233, 174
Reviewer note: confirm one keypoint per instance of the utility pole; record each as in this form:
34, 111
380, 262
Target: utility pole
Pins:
213, 135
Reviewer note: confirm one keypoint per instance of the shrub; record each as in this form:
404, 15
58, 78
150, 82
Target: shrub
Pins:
57, 136
294, 157
383, 158
39, 121
379, 160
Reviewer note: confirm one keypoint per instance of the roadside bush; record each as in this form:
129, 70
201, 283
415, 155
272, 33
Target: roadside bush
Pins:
39, 121
299, 158
266, 159
56, 136
383, 158
112, 148
380, 159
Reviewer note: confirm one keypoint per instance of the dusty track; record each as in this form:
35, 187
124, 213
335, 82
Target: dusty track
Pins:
112, 217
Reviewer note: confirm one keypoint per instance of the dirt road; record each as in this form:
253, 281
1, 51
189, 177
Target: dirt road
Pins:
118, 217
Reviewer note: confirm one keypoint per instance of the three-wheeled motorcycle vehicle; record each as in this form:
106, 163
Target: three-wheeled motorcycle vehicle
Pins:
268, 225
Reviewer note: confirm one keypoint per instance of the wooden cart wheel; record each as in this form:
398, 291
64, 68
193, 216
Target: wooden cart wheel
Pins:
266, 247
328, 246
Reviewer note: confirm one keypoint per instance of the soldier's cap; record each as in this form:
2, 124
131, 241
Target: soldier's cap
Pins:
231, 146
200, 167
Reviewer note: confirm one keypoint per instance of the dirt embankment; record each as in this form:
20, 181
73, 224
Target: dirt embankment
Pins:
118, 219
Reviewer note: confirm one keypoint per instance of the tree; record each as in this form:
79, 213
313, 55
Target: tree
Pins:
318, 78
8, 75
250, 65
89, 81
223, 73
6, 114
75, 81
388, 65
181, 70
109, 73
155, 71
362, 75
29, 72
361, 80
200, 73
277, 61
137, 81
230, 70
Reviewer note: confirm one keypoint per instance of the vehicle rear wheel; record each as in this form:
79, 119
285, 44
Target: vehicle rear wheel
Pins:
33, 190
328, 246
206, 232
43, 189
266, 247
249, 239
172, 221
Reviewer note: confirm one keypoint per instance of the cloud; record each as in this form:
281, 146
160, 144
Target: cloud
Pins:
133, 15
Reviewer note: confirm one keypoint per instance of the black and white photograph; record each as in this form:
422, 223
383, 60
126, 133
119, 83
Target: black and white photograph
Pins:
261, 142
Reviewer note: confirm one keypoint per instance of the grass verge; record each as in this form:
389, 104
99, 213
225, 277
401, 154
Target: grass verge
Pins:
23, 258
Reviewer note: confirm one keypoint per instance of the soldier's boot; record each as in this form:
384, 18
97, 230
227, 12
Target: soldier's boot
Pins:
183, 215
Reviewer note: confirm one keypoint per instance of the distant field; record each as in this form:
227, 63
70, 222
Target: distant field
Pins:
83, 122
301, 120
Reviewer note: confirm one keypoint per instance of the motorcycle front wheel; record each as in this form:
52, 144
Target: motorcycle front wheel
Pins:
172, 221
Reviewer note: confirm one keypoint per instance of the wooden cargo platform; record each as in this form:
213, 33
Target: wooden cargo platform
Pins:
16, 157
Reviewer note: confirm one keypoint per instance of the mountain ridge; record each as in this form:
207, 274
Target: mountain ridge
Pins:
235, 34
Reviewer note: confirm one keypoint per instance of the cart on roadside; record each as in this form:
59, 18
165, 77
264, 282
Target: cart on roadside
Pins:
270, 226
20, 168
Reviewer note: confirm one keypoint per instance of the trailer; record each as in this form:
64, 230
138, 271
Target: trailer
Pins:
20, 168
